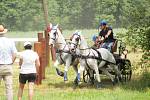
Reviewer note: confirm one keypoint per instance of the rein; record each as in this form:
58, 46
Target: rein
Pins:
86, 48
62, 50
99, 58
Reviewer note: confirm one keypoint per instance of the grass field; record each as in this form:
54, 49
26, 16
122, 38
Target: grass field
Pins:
53, 87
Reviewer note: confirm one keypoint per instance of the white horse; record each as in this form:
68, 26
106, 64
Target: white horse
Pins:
62, 52
87, 60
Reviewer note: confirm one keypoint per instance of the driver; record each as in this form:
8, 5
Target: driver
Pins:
106, 35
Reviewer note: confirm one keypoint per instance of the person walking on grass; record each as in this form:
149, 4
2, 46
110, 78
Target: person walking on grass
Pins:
8, 53
29, 64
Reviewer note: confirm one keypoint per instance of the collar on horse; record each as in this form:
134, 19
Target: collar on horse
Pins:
60, 51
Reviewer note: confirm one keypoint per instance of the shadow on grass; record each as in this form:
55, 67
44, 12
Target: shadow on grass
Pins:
61, 84
141, 84
106, 83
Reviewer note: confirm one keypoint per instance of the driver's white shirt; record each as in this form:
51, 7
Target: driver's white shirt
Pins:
28, 65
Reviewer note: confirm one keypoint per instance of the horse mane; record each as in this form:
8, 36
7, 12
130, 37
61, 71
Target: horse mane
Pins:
59, 31
83, 41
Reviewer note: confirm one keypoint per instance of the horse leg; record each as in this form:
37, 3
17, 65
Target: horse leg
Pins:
91, 74
75, 67
80, 70
98, 85
68, 63
65, 73
77, 79
60, 73
115, 67
108, 74
96, 68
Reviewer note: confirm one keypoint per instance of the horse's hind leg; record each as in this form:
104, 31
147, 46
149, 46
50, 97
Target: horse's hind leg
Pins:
91, 75
77, 79
98, 85
75, 66
115, 67
105, 71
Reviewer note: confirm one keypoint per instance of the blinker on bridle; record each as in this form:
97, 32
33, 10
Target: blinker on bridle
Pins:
54, 34
77, 39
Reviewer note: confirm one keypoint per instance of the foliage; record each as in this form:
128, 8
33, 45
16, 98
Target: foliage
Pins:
25, 15
139, 32
146, 60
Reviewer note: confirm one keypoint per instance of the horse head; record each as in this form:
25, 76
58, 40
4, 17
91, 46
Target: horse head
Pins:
75, 41
54, 34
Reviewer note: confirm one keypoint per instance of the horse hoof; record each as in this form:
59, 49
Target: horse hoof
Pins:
120, 79
99, 85
61, 74
91, 81
76, 82
75, 86
114, 83
65, 79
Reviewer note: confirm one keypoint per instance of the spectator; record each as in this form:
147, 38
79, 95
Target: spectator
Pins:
8, 53
29, 64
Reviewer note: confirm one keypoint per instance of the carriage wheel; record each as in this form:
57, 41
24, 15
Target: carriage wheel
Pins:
86, 76
126, 71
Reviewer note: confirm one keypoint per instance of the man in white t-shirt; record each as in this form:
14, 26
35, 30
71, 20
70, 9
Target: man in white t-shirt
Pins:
8, 53
29, 64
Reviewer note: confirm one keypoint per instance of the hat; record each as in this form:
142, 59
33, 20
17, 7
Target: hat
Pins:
27, 43
2, 29
103, 22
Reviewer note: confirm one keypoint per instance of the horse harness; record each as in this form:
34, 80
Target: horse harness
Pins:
60, 52
99, 58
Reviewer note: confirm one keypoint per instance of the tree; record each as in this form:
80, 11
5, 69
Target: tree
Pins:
139, 32
27, 15
19, 14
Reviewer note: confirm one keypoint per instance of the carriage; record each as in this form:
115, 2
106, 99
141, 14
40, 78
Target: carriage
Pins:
88, 54
124, 64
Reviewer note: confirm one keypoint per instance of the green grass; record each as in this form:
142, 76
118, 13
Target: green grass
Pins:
53, 88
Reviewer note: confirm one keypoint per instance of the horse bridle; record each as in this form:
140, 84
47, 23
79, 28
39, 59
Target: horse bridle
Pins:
77, 39
54, 35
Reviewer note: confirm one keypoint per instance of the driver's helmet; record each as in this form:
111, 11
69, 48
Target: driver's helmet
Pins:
94, 38
103, 22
